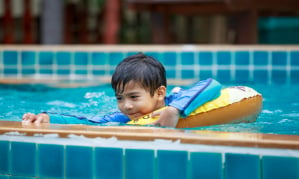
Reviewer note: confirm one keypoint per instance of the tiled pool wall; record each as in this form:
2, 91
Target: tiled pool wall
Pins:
228, 64
39, 157
79, 157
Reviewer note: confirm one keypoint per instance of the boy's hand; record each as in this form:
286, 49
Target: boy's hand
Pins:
169, 117
37, 119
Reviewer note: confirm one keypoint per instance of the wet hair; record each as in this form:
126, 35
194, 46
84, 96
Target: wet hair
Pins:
139, 68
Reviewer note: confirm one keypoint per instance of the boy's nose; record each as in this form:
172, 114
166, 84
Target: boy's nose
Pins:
128, 106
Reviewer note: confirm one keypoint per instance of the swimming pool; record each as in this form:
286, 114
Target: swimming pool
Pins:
59, 151
279, 114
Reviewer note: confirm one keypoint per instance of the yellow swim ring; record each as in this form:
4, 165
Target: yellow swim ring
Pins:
234, 105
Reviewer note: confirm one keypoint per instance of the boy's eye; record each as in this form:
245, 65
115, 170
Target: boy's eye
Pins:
118, 98
134, 97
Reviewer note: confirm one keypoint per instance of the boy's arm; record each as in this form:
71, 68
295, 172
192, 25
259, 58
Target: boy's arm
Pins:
183, 102
188, 100
55, 118
71, 119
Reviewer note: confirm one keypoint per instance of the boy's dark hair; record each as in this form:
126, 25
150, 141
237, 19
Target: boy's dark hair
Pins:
140, 68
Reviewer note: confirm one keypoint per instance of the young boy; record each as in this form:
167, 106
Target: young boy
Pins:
139, 82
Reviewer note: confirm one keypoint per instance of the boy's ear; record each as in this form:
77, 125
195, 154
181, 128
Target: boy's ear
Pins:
161, 91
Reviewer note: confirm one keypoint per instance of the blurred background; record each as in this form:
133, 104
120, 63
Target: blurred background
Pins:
149, 21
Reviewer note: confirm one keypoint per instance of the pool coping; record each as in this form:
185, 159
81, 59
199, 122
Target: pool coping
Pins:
145, 133
67, 83
149, 47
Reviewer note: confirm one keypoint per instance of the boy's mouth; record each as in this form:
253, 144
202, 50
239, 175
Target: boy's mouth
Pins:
134, 116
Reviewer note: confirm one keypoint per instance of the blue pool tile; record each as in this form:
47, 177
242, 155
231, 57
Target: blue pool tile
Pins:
260, 76
171, 74
132, 53
276, 167
28, 58
155, 55
169, 58
204, 74
188, 74
10, 57
63, 58
224, 76
187, 58
279, 58
206, 165
294, 76
115, 58
46, 58
81, 72
242, 166
28, 71
279, 76
205, 58
23, 159
111, 71
78, 161
242, 76
294, 55
98, 72
242, 58
260, 57
63, 71
172, 164
51, 161
4, 153
99, 58
80, 58
223, 57
10, 71
46, 71
21, 177
140, 164
108, 162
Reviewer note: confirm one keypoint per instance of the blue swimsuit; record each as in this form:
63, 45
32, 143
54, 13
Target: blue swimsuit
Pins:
185, 101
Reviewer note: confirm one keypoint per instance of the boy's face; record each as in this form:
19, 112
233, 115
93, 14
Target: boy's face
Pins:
135, 101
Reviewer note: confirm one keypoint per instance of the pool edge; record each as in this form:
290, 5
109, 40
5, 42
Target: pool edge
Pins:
137, 133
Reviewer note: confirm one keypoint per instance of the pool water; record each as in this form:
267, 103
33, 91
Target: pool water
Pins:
280, 114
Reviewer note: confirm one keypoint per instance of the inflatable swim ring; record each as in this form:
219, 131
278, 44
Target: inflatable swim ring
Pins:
234, 105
